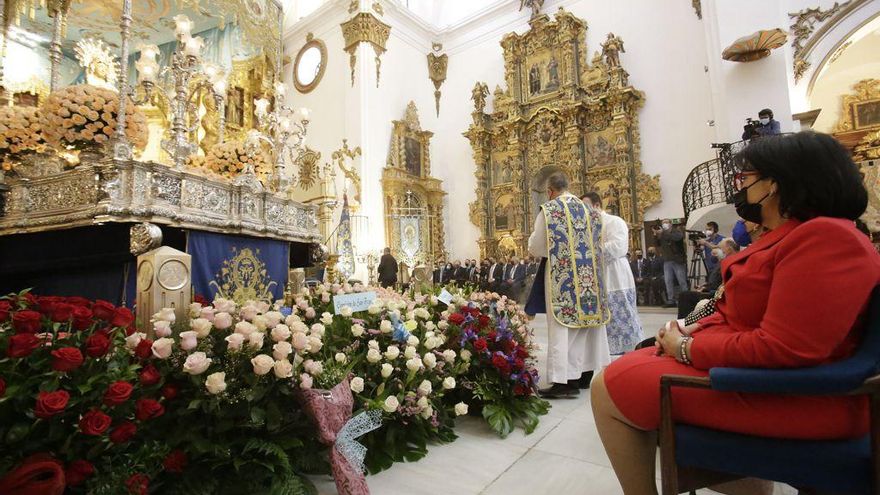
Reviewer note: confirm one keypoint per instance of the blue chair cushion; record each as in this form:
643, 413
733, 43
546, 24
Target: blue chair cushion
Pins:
839, 466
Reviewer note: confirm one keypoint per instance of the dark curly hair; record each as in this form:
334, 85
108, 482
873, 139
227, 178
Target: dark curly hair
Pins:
815, 174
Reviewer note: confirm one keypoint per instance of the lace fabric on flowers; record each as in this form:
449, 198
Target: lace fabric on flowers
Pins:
346, 444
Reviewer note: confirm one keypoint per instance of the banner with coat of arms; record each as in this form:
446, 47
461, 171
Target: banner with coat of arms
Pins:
238, 268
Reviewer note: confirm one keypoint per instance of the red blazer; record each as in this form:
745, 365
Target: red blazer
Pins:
798, 297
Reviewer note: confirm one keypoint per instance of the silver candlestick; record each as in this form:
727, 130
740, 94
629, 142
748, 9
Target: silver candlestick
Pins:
285, 129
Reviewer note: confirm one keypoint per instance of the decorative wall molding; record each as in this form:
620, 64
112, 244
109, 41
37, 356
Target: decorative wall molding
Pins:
365, 27
437, 65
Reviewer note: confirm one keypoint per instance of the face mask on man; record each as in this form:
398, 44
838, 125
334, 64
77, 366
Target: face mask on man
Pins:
651, 254
638, 256
764, 120
718, 254
667, 226
709, 233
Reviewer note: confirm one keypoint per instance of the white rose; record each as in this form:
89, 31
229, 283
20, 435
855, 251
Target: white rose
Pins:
245, 328
201, 327
255, 340
314, 368
430, 325
391, 404
433, 300
386, 370
188, 340
373, 356
392, 352
224, 305
357, 330
345, 311
196, 363
216, 382
162, 348
427, 412
430, 360
318, 329
431, 342
315, 344
300, 341
414, 364
280, 333
374, 309
162, 328
309, 313
248, 312
422, 402
461, 409
422, 313
412, 340
305, 381
340, 358
134, 339
281, 350
373, 344
222, 321
449, 355
445, 315
325, 297
195, 309
234, 341
262, 364
262, 307
299, 326
326, 318
207, 313
291, 320
261, 323
385, 326
410, 352
425, 387
357, 384
465, 355
165, 314
274, 318
443, 325
283, 369
449, 383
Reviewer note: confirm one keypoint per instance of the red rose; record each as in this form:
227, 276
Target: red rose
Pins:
175, 462
27, 321
480, 345
122, 318
78, 471
97, 345
492, 335
508, 346
456, 318
104, 310
66, 359
5, 308
78, 301
519, 364
22, 345
94, 423
38, 473
117, 393
521, 390
145, 409
484, 321
2, 388
169, 391
50, 403
82, 318
144, 349
150, 376
522, 353
138, 484
500, 362
123, 432
46, 304
62, 312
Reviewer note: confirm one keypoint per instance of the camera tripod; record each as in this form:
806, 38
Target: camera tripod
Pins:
697, 267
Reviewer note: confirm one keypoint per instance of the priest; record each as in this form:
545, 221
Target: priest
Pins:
569, 288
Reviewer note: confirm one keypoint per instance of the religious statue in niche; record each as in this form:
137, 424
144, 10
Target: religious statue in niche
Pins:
534, 79
479, 94
235, 106
504, 212
611, 199
611, 49
413, 151
601, 153
552, 74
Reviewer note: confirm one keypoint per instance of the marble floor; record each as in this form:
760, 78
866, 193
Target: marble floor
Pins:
563, 456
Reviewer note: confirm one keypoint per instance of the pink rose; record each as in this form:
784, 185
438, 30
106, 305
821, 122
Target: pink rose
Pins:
310, 312
305, 381
222, 321
188, 340
208, 313
299, 341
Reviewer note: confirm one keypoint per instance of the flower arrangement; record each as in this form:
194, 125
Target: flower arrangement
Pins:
76, 397
81, 116
233, 157
19, 133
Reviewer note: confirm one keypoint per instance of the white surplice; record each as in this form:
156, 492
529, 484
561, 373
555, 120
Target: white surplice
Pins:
624, 329
571, 351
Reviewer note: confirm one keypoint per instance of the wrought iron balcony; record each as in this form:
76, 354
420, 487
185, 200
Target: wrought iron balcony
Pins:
711, 182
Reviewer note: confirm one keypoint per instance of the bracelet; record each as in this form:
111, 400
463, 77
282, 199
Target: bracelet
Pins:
682, 350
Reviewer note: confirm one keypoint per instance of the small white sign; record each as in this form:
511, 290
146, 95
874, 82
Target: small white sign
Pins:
445, 297
357, 301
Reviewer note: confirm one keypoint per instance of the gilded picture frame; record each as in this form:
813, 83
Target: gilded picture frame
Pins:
311, 43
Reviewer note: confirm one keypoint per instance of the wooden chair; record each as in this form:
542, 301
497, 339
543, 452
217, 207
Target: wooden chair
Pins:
693, 457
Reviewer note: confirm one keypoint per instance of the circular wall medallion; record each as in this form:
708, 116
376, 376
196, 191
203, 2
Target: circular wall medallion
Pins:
145, 276
308, 69
173, 275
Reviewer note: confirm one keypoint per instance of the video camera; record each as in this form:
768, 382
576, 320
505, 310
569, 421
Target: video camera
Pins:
695, 235
751, 127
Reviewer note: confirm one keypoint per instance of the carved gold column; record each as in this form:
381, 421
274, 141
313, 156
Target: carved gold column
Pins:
365, 27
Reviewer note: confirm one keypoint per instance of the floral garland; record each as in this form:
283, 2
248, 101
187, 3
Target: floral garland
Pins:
81, 116
20, 133
232, 158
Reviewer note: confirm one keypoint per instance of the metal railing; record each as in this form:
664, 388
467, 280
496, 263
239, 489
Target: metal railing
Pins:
711, 182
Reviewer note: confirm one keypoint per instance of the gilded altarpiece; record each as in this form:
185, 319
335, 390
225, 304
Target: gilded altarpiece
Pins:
413, 199
557, 114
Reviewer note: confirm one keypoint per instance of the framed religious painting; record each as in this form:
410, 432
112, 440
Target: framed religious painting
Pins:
867, 114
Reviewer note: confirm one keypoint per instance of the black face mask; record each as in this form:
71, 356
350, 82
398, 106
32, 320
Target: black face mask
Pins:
750, 212
651, 255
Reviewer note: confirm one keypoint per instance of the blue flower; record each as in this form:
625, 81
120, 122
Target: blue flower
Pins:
286, 311
400, 333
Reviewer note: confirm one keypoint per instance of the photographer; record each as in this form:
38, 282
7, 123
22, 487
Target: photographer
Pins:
675, 258
709, 243
764, 126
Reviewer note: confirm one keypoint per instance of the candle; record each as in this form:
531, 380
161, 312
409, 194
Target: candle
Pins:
147, 70
212, 72
305, 113
192, 46
220, 87
284, 123
280, 89
261, 107
183, 26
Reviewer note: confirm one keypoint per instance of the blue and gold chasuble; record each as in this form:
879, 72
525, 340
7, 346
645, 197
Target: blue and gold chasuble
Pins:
577, 292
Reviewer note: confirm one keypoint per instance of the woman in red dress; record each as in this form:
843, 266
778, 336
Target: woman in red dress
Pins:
798, 297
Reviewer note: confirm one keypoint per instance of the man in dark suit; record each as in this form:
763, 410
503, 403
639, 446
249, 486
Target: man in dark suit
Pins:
443, 273
514, 278
387, 269
495, 275
654, 278
639, 271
